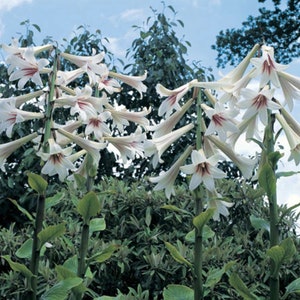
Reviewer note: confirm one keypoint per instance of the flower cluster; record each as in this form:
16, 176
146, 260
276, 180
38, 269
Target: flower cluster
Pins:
94, 121
243, 105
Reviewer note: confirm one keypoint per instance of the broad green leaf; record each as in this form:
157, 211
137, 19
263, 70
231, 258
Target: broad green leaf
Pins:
54, 200
21, 209
293, 287
207, 233
276, 253
37, 183
176, 209
51, 232
25, 250
286, 174
60, 291
104, 255
259, 223
64, 273
19, 267
176, 255
203, 218
237, 283
97, 224
267, 179
88, 206
178, 292
289, 249
274, 157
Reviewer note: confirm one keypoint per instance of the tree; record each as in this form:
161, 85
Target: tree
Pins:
278, 27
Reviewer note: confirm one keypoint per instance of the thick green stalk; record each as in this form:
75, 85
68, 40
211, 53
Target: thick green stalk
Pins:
273, 207
198, 257
35, 255
40, 206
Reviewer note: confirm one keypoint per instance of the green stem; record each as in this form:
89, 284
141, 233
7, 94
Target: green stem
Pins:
198, 251
35, 255
269, 143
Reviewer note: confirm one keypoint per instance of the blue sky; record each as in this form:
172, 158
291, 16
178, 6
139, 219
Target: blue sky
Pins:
203, 20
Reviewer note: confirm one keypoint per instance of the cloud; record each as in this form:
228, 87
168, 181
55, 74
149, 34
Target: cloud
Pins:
132, 14
7, 5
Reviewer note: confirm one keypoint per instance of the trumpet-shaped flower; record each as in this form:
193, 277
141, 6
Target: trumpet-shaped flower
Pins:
8, 148
127, 147
290, 86
65, 77
258, 104
27, 68
293, 139
96, 125
220, 120
165, 180
203, 170
134, 81
110, 85
91, 64
10, 115
266, 67
159, 145
220, 206
121, 116
57, 161
91, 147
173, 97
246, 165
166, 126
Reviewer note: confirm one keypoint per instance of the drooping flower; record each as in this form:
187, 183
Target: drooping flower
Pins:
258, 103
246, 165
91, 147
203, 170
159, 145
221, 120
166, 179
293, 139
9, 148
173, 97
27, 68
110, 85
221, 207
57, 161
266, 67
92, 65
134, 81
10, 115
127, 147
167, 125
65, 77
96, 125
121, 116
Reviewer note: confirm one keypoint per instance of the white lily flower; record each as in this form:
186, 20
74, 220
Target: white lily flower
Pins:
133, 81
91, 147
9, 148
167, 125
57, 161
258, 103
166, 179
173, 97
10, 115
293, 139
246, 165
203, 170
96, 124
266, 67
159, 145
221, 120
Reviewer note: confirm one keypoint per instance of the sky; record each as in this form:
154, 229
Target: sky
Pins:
203, 20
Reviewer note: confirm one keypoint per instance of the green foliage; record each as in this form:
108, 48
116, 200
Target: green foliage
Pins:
278, 27
128, 257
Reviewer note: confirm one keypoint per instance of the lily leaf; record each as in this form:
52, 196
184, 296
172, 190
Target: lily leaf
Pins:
178, 292
259, 223
37, 183
176, 255
88, 206
293, 287
18, 267
22, 209
203, 218
51, 232
237, 283
97, 224
267, 179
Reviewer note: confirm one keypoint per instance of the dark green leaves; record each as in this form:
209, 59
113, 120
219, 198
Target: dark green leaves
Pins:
88, 207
